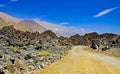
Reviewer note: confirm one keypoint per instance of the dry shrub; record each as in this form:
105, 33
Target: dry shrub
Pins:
17, 65
86, 48
11, 68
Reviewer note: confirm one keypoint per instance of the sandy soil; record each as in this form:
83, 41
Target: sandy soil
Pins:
79, 61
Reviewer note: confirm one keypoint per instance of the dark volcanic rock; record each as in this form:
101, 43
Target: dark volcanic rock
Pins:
21, 50
27, 57
64, 41
48, 35
2, 72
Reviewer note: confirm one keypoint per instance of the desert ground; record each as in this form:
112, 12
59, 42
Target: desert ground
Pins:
79, 61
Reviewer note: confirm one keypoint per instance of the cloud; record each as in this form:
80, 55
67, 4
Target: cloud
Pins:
14, 0
64, 23
2, 5
104, 12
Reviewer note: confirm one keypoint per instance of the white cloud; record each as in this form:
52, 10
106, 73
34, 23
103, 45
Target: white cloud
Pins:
13, 0
2, 5
104, 12
64, 23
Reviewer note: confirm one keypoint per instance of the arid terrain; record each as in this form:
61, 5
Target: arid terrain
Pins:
59, 36
37, 47
79, 61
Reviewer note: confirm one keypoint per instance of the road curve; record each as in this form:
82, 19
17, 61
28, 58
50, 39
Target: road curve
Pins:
79, 61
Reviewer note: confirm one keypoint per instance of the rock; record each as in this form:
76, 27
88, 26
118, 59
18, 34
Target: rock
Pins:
12, 60
42, 65
93, 46
32, 67
27, 57
48, 35
1, 56
38, 47
105, 48
2, 72
15, 42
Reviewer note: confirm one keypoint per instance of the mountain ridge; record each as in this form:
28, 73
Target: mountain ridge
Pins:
9, 18
57, 28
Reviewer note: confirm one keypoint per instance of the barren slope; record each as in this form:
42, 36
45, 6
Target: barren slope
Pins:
32, 25
79, 61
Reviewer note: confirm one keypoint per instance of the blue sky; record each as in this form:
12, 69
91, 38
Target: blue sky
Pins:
95, 15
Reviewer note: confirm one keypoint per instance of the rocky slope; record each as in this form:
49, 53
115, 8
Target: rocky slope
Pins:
89, 38
23, 52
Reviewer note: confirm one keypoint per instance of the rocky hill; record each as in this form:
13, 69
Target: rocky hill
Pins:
22, 52
89, 38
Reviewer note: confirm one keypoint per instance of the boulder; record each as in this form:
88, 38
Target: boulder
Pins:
2, 72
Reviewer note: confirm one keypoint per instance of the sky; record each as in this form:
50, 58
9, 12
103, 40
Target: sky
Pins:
96, 15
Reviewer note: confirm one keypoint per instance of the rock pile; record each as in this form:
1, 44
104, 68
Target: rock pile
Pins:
103, 41
22, 52
106, 41
79, 39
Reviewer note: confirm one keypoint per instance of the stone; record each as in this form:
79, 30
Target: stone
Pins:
2, 72
1, 56
32, 67
42, 65
105, 48
27, 57
12, 60
38, 47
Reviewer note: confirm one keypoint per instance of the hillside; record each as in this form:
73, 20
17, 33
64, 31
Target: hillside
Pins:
8, 23
24, 52
32, 25
25, 25
9, 18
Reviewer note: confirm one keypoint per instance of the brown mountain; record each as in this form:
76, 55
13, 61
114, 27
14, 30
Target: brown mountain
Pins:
9, 18
17, 26
32, 25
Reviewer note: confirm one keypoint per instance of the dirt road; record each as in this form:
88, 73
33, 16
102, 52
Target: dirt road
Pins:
79, 61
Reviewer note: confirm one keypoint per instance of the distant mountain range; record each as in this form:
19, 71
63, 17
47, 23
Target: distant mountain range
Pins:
40, 26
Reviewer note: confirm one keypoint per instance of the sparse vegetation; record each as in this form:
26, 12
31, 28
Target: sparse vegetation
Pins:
26, 50
14, 48
17, 65
44, 53
11, 68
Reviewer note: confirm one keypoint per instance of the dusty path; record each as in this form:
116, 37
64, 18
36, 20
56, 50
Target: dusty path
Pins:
79, 61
